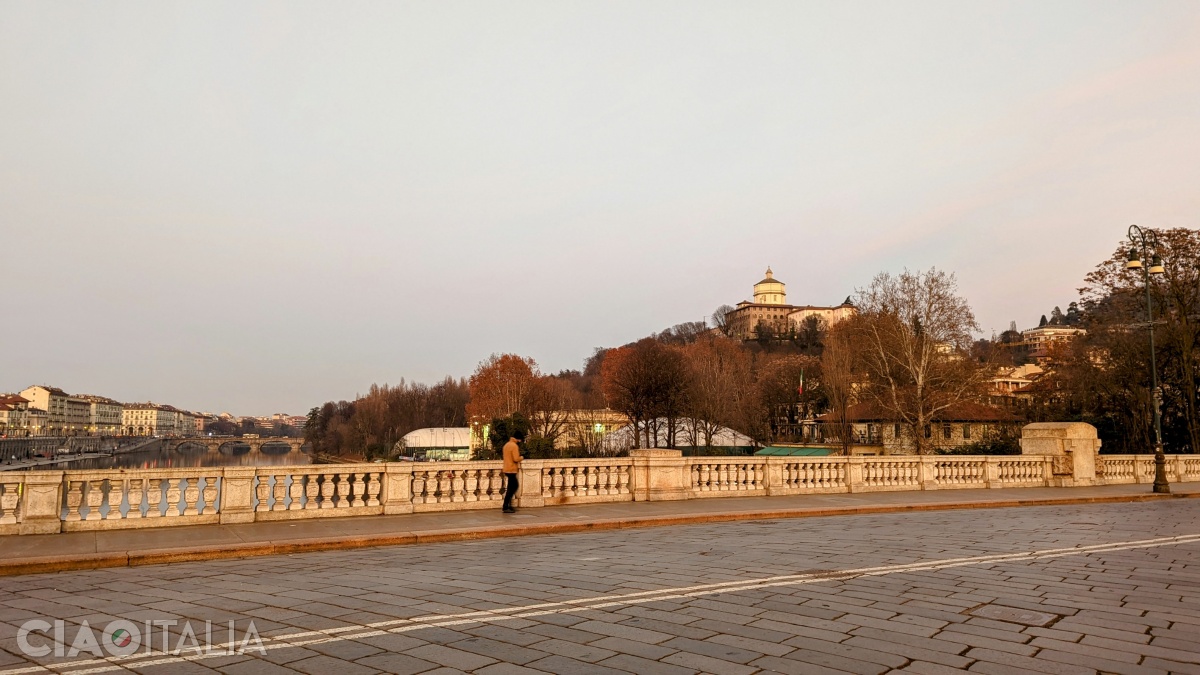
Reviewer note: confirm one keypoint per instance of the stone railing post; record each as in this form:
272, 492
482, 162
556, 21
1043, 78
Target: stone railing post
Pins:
774, 474
992, 472
1072, 447
658, 474
928, 471
529, 494
41, 505
397, 488
854, 474
237, 494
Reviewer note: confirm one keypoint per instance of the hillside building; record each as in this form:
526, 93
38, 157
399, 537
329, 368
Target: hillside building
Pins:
769, 312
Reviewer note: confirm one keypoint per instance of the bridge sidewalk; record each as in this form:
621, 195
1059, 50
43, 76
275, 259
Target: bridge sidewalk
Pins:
118, 548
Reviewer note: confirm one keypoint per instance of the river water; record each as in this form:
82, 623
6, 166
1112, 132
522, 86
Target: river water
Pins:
191, 456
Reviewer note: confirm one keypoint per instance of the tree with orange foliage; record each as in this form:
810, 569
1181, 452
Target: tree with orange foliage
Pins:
502, 385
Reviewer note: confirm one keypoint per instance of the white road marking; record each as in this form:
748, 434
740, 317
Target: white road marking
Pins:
303, 638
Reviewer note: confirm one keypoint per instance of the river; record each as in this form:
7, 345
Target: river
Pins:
191, 456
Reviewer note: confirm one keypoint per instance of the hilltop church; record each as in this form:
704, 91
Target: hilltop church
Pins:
769, 307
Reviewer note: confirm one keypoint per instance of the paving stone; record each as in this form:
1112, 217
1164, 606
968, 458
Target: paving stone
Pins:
346, 650
453, 658
775, 664
584, 652
1003, 663
806, 661
751, 644
642, 649
321, 665
636, 664
561, 665
1172, 666
503, 651
398, 664
927, 668
708, 664
623, 631
255, 667
1100, 663
508, 669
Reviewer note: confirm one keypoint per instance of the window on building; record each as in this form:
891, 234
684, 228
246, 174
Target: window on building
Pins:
967, 432
946, 433
896, 430
928, 431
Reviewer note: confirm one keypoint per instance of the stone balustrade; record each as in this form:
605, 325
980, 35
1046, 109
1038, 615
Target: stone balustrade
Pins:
38, 502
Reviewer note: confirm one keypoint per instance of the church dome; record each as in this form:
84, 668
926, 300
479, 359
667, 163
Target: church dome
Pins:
770, 291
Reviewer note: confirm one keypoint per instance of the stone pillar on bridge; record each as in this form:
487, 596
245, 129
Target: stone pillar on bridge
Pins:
658, 475
237, 494
42, 503
1072, 445
530, 489
397, 488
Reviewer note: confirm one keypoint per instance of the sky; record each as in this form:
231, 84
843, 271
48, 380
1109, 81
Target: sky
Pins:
258, 207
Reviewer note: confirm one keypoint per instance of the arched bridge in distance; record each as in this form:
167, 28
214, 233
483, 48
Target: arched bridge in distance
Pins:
227, 445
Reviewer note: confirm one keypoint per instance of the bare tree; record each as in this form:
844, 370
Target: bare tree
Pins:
837, 374
915, 333
720, 319
718, 368
552, 401
647, 382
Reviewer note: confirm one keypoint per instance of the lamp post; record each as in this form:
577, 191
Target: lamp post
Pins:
1145, 250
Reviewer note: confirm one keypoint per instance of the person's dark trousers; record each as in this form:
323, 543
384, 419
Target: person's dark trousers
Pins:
510, 489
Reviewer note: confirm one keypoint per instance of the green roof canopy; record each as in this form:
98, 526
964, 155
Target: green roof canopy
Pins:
795, 452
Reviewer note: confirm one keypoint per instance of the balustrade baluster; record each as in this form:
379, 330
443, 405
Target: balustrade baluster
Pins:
210, 495
341, 487
497, 491
443, 484
312, 491
191, 495
9, 495
418, 487
295, 492
457, 485
373, 485
262, 491
74, 499
95, 493
154, 497
326, 483
623, 480
173, 491
471, 485
280, 492
358, 488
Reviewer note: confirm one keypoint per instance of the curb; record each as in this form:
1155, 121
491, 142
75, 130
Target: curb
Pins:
45, 564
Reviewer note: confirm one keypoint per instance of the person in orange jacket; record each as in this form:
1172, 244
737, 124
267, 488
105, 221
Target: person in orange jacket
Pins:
512, 466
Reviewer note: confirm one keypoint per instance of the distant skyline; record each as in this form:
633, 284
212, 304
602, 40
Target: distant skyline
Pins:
258, 207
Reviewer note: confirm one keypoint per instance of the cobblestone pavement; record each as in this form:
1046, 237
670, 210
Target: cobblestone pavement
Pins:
1066, 589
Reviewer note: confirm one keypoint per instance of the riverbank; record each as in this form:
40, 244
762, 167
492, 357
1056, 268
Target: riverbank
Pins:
9, 464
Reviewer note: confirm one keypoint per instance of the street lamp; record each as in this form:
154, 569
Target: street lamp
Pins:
1147, 242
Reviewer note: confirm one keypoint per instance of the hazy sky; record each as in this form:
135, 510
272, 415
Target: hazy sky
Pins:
257, 207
